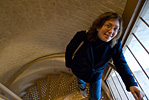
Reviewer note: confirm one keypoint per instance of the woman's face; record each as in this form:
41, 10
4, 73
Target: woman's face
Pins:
108, 31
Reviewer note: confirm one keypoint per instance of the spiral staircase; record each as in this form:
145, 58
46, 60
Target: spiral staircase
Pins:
31, 29
45, 78
57, 87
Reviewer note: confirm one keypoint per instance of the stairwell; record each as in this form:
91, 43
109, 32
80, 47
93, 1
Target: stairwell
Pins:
57, 87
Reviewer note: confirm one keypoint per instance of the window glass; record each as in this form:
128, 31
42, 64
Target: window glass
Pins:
139, 74
145, 13
137, 56
140, 54
141, 30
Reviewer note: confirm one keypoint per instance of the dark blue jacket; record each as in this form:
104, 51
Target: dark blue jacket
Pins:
92, 57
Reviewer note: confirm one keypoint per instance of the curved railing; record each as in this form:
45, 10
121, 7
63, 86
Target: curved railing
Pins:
28, 65
50, 56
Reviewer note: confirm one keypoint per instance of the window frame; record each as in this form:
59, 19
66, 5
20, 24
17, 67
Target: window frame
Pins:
130, 16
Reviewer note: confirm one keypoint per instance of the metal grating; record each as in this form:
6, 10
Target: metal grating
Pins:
26, 97
70, 89
61, 83
58, 87
73, 86
33, 92
52, 80
42, 87
76, 96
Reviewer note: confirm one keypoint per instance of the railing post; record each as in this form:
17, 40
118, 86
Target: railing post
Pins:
9, 92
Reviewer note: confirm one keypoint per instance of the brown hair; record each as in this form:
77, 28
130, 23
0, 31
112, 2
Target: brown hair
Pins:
99, 22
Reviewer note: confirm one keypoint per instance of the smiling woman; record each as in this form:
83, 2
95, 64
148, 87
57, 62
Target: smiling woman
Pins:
108, 31
100, 23
101, 43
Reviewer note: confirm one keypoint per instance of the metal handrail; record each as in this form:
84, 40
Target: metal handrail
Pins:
113, 67
9, 92
28, 65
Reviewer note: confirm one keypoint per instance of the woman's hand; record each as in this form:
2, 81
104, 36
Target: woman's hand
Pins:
68, 69
137, 93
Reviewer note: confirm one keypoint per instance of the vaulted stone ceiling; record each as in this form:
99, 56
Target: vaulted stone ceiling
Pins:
33, 28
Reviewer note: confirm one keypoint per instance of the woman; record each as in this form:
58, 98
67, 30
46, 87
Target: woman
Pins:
101, 43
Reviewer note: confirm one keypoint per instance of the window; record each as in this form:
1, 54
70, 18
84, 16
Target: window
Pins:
136, 52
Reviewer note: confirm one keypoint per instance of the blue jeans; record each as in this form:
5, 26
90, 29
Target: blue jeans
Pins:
94, 88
